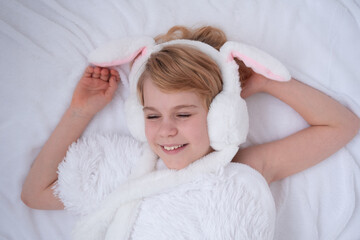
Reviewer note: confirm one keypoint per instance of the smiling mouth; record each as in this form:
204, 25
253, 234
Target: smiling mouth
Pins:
173, 148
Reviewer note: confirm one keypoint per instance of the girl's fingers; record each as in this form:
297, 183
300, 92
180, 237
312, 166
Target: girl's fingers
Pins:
104, 74
112, 87
88, 71
96, 73
115, 73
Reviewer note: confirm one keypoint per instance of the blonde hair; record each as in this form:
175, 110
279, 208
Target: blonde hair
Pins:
183, 68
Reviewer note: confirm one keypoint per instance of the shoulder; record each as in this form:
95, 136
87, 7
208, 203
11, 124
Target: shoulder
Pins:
249, 196
248, 181
233, 203
244, 173
256, 158
236, 190
83, 176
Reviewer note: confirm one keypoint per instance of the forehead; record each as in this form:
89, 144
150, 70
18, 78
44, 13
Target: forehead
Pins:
156, 98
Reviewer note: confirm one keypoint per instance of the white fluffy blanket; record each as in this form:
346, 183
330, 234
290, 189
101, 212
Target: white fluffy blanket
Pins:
202, 201
44, 45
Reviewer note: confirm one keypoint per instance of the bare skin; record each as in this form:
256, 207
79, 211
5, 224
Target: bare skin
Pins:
94, 91
331, 127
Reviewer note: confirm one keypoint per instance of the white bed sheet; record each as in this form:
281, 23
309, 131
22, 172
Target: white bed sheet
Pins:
44, 45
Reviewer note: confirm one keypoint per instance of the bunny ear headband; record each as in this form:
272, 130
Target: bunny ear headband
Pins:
227, 118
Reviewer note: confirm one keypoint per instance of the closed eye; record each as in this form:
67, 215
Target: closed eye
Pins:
152, 117
185, 115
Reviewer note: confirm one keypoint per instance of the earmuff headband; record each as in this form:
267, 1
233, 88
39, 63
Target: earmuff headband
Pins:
227, 118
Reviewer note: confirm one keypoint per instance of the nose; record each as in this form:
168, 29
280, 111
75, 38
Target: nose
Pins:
168, 128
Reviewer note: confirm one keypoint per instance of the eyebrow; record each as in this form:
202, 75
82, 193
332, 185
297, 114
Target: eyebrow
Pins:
175, 108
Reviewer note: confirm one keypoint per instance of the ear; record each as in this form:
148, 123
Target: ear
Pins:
120, 51
259, 61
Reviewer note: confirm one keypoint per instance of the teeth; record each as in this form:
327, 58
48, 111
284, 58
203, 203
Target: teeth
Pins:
172, 148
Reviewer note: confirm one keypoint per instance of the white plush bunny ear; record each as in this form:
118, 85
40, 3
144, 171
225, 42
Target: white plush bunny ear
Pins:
124, 51
120, 51
256, 59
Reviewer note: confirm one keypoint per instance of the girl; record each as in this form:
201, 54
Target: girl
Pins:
176, 90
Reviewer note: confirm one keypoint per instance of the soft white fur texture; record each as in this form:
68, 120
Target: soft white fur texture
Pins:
233, 203
210, 198
261, 58
127, 195
122, 49
94, 166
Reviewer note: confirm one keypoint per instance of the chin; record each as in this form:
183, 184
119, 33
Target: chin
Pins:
173, 164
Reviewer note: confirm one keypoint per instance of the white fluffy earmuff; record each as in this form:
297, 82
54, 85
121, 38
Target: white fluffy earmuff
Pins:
228, 121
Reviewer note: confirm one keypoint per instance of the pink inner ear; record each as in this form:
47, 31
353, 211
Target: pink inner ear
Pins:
256, 66
140, 52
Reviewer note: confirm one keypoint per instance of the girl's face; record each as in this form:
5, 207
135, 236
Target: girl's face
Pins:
175, 125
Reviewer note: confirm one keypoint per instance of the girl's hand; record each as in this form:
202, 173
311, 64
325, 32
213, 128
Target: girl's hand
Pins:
95, 90
253, 84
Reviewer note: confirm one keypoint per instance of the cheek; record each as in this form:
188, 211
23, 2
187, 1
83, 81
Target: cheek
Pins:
199, 131
150, 131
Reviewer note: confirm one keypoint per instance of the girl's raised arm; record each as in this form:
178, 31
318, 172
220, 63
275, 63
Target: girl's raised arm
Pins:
94, 90
332, 126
